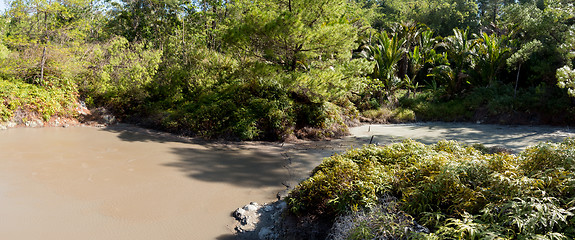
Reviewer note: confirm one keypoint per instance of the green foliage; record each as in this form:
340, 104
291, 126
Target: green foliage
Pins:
492, 104
222, 97
339, 184
460, 50
43, 102
441, 16
268, 69
385, 115
547, 22
566, 79
383, 221
524, 53
386, 52
119, 71
61, 21
291, 34
144, 20
455, 190
491, 56
253, 109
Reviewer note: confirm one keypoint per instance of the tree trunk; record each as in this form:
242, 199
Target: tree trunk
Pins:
42, 63
214, 24
517, 82
403, 65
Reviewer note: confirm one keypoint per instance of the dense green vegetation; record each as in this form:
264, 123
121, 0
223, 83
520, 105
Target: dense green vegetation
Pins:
272, 69
24, 98
456, 191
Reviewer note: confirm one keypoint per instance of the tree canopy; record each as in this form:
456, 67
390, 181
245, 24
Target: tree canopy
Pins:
267, 69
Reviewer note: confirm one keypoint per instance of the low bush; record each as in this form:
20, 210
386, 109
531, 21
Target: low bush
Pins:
453, 189
209, 94
386, 115
494, 104
44, 102
117, 74
256, 110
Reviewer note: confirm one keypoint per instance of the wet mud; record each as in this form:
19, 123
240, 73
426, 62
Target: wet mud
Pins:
124, 182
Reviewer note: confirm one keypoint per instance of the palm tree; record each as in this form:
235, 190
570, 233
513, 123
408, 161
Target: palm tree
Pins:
411, 33
421, 55
460, 51
386, 51
491, 55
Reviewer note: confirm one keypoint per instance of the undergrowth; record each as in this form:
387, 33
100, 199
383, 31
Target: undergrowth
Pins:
456, 191
46, 101
494, 104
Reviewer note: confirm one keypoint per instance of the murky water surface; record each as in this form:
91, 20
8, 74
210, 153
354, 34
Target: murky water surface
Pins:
89, 183
127, 183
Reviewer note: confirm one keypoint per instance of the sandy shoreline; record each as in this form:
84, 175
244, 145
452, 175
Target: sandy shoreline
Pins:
124, 182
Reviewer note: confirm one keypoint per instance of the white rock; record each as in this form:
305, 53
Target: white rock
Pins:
34, 124
240, 214
252, 207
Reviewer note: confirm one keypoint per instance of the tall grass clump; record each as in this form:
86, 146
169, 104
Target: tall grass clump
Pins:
454, 190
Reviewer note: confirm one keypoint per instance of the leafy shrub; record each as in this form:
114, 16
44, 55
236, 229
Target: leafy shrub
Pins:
382, 115
119, 71
257, 110
495, 104
62, 64
46, 102
455, 190
385, 115
213, 95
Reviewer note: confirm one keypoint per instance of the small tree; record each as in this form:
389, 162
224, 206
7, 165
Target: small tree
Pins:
521, 56
290, 33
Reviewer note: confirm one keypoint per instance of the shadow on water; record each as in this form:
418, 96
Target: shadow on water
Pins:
261, 164
132, 133
227, 237
248, 164
238, 166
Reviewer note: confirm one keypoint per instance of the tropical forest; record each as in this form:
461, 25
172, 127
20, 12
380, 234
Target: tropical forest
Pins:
291, 70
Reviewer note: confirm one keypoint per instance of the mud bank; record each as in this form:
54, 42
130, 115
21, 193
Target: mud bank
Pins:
124, 182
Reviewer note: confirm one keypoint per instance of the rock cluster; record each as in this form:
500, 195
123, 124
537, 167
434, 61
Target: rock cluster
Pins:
259, 221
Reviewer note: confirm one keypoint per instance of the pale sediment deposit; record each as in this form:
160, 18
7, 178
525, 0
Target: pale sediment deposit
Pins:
123, 182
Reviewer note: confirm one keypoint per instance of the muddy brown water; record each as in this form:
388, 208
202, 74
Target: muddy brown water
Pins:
125, 182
